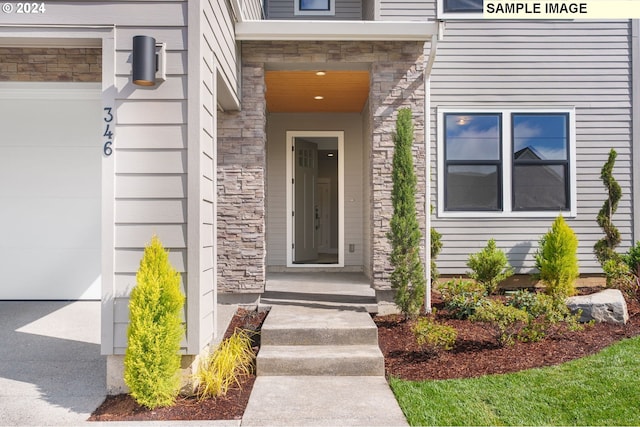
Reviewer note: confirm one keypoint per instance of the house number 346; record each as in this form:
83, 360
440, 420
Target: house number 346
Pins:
108, 133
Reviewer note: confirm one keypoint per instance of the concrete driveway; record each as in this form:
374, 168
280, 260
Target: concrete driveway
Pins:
51, 370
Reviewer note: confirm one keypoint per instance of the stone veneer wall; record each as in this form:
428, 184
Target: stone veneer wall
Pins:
21, 64
397, 81
242, 139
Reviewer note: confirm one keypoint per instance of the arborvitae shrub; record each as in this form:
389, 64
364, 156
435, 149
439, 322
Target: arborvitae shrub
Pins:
489, 267
152, 359
407, 278
557, 259
605, 247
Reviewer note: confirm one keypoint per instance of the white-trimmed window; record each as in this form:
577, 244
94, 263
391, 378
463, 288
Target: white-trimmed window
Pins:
460, 9
507, 162
314, 7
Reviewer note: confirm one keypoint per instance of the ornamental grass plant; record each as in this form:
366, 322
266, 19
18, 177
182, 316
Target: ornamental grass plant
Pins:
223, 368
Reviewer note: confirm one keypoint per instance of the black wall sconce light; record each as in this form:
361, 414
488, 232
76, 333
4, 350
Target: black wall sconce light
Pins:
148, 63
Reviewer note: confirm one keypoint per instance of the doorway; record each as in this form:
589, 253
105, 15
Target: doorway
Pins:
315, 205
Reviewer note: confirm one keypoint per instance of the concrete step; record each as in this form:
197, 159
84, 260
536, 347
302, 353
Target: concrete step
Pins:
291, 325
319, 360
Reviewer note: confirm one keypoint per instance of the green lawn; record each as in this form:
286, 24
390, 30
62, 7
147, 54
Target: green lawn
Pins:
603, 389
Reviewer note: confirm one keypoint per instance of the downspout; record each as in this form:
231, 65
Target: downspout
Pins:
635, 126
427, 138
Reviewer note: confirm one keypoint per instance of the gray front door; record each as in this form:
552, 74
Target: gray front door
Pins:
305, 246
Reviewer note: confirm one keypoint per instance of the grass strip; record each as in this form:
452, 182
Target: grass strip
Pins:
602, 389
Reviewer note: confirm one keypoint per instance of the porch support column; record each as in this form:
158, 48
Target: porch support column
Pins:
395, 83
241, 193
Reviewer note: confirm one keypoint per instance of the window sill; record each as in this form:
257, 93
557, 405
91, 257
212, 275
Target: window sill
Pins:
506, 215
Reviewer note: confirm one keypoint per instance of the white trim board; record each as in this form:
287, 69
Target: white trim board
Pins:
336, 30
288, 144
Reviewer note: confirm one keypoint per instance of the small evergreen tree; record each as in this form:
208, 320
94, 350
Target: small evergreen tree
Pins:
489, 267
605, 247
152, 359
407, 278
557, 259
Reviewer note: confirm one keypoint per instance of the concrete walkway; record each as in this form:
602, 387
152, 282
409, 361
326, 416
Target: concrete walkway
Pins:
320, 367
52, 373
51, 370
322, 401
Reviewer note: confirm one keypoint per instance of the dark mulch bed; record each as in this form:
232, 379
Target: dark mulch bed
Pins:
122, 407
476, 353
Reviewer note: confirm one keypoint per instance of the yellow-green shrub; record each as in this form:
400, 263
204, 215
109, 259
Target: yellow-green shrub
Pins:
152, 359
557, 259
434, 335
223, 368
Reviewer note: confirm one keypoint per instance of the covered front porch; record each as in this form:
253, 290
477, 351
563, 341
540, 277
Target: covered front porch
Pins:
263, 149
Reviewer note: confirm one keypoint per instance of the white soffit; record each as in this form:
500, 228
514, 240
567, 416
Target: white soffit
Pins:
336, 30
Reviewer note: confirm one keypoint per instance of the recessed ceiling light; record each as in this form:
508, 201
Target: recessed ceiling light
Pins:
319, 97
329, 154
321, 73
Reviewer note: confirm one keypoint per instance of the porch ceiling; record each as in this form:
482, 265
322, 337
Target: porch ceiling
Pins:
296, 91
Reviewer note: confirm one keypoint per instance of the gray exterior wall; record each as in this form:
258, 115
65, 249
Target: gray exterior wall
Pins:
160, 178
406, 10
581, 64
284, 9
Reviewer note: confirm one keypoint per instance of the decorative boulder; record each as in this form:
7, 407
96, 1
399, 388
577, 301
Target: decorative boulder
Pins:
604, 306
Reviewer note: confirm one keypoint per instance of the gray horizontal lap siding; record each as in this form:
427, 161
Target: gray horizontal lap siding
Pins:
151, 166
586, 65
406, 10
219, 31
284, 9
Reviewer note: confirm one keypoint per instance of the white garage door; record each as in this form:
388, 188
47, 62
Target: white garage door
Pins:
50, 162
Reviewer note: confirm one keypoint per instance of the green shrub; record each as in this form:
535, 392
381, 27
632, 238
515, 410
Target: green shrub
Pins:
152, 359
632, 259
489, 267
557, 259
462, 297
605, 247
506, 321
624, 272
233, 359
407, 278
433, 335
547, 315
523, 300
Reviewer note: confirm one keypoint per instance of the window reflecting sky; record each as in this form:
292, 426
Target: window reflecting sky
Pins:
472, 137
540, 136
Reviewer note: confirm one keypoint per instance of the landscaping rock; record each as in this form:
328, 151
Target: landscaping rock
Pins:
605, 306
